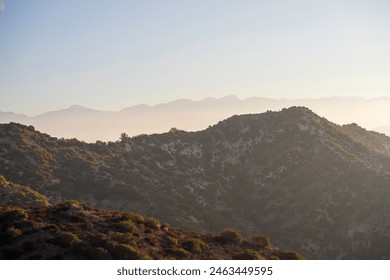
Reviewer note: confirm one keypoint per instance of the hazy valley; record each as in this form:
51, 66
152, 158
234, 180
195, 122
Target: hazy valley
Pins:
90, 125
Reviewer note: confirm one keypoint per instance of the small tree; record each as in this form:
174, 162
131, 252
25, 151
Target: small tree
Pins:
173, 130
124, 137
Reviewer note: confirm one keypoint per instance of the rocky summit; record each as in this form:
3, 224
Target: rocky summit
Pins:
315, 187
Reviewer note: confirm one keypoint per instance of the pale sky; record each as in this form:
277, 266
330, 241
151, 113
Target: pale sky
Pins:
109, 55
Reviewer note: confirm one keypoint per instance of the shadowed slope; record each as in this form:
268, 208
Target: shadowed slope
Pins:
316, 187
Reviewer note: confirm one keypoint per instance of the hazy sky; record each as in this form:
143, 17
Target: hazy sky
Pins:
114, 54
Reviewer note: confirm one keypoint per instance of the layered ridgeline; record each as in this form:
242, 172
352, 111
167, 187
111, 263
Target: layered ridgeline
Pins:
91, 125
71, 230
313, 186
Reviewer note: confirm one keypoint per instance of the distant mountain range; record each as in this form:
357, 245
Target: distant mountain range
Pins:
315, 187
91, 125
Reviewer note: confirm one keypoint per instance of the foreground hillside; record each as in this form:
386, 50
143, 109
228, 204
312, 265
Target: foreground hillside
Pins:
71, 230
316, 187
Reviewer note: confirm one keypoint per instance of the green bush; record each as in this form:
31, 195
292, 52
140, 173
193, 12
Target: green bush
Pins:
196, 246
68, 238
39, 199
171, 241
65, 239
99, 240
122, 251
126, 226
262, 240
231, 236
124, 238
152, 223
250, 255
136, 218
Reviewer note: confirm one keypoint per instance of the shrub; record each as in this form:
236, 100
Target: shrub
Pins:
196, 246
2, 180
248, 255
84, 250
169, 258
152, 223
97, 253
67, 205
13, 215
13, 232
70, 203
126, 226
147, 257
124, 238
291, 255
181, 253
230, 236
171, 241
68, 238
99, 240
50, 227
136, 218
262, 240
123, 251
38, 199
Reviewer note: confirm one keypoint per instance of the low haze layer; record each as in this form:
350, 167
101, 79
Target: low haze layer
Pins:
91, 125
